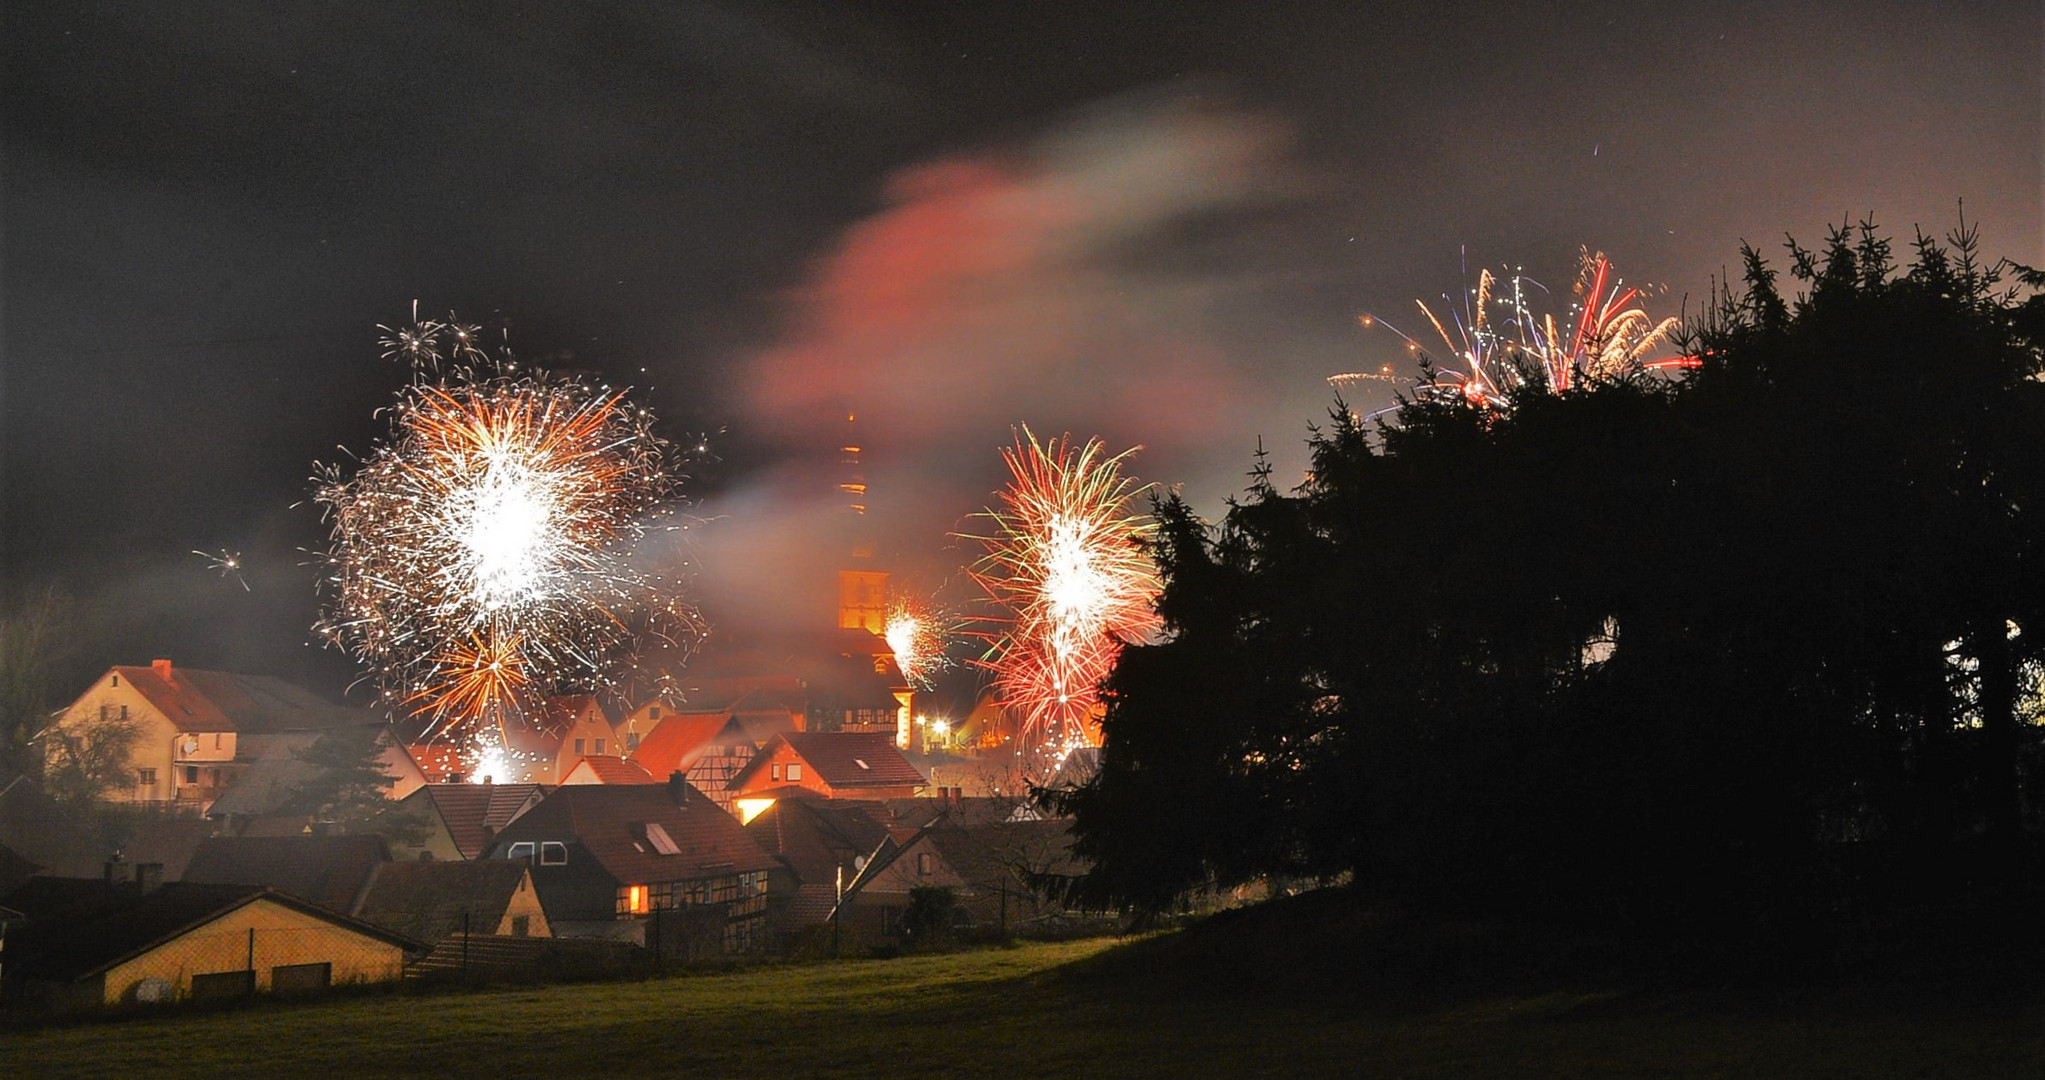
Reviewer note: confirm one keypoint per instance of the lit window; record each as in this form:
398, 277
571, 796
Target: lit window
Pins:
774, 771
794, 772
520, 851
925, 864
553, 853
636, 900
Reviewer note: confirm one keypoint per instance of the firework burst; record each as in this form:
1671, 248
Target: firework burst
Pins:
481, 559
1066, 567
1500, 344
919, 632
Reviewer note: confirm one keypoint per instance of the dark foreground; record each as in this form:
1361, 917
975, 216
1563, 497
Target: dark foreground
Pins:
1094, 1009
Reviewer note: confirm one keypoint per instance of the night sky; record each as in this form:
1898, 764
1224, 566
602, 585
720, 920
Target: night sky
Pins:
1154, 223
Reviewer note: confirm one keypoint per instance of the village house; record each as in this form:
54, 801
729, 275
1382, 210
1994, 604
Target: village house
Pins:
834, 764
196, 730
431, 901
708, 748
659, 864
462, 820
331, 871
88, 942
608, 769
540, 744
822, 845
275, 777
993, 871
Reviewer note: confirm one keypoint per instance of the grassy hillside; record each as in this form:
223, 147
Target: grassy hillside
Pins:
1077, 1009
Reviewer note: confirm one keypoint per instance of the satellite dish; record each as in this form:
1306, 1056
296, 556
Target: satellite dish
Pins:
191, 744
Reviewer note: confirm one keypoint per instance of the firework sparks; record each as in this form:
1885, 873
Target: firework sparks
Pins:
481, 559
1066, 567
228, 563
1500, 344
919, 632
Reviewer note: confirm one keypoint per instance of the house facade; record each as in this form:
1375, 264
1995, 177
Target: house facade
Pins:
196, 730
89, 942
656, 863
833, 764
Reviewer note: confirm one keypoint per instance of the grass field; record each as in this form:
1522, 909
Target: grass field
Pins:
1073, 1009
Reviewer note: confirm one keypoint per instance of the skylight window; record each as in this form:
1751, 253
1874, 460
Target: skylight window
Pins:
657, 835
861, 762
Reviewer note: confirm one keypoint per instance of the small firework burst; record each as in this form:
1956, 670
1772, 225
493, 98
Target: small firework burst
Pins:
1499, 344
483, 558
228, 563
1066, 568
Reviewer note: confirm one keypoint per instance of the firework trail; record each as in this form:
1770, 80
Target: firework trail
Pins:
919, 632
1502, 344
1066, 567
227, 562
480, 559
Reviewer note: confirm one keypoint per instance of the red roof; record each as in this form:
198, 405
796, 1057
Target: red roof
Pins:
196, 700
474, 812
844, 759
677, 741
611, 769
612, 824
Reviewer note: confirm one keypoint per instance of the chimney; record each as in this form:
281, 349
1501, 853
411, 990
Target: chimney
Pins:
678, 788
162, 667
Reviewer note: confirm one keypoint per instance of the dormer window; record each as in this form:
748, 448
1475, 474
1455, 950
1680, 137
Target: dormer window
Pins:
553, 853
523, 850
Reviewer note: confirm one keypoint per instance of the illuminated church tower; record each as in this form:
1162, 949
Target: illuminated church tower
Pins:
862, 590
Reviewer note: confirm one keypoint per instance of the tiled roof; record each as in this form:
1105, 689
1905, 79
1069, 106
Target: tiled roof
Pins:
40, 830
270, 782
331, 871
77, 927
197, 700
426, 900
816, 836
845, 759
677, 741
611, 824
611, 769
474, 813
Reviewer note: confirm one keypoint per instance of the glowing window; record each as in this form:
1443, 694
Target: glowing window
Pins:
774, 771
794, 772
661, 841
553, 853
925, 864
636, 900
